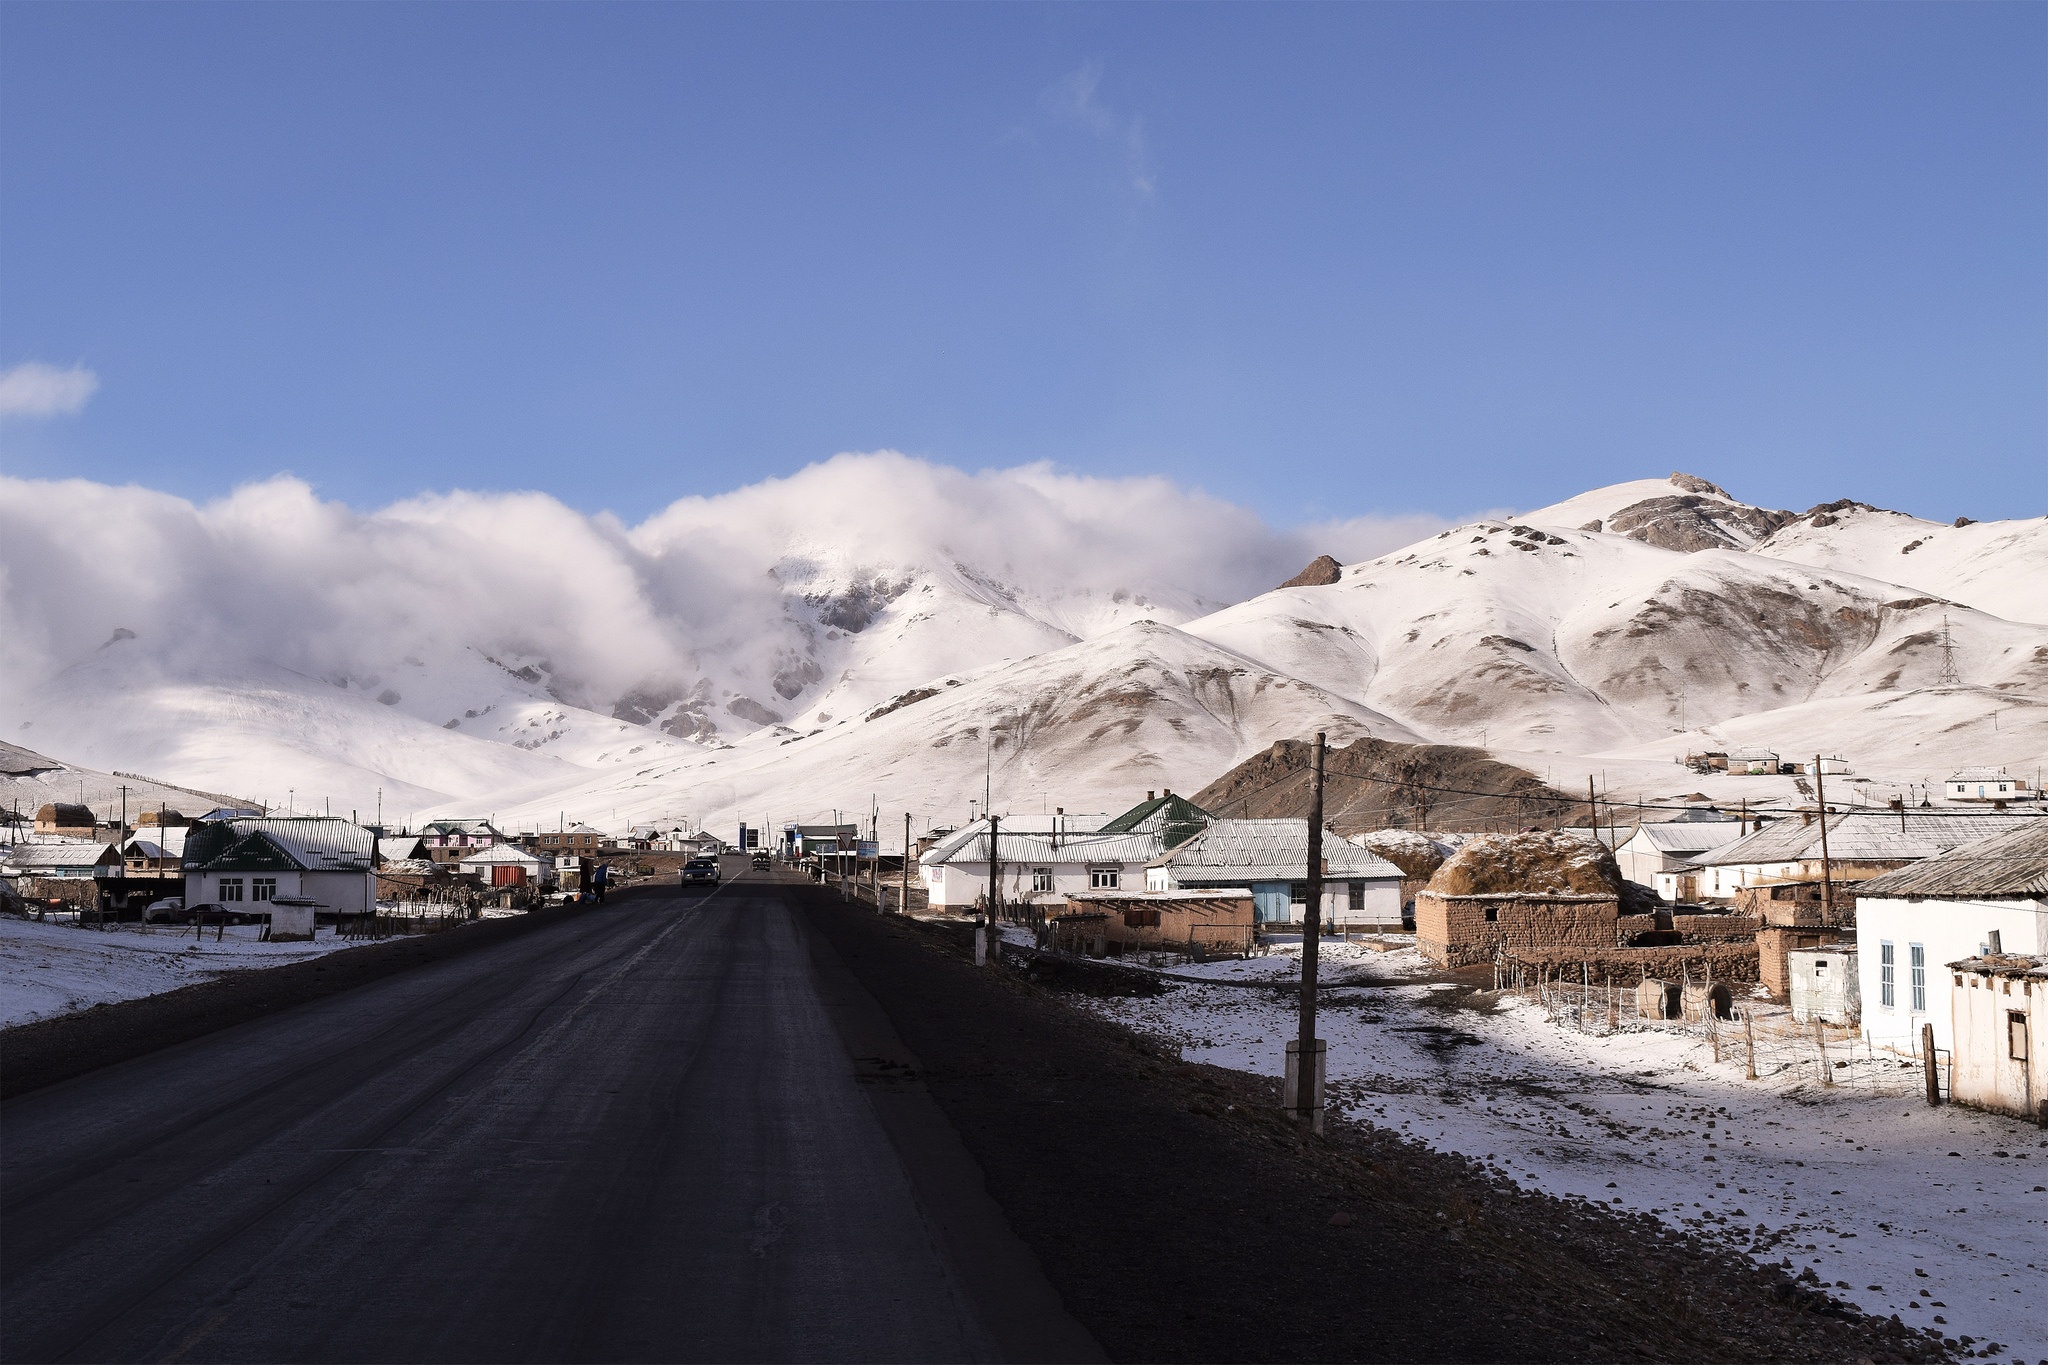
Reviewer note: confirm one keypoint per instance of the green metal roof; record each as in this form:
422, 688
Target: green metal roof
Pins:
1175, 819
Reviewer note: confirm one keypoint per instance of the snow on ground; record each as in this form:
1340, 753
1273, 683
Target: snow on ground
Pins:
1937, 1215
52, 969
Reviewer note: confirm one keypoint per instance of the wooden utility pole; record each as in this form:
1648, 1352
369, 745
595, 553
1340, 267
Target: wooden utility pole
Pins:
1592, 808
1931, 1067
903, 900
1827, 870
1308, 1049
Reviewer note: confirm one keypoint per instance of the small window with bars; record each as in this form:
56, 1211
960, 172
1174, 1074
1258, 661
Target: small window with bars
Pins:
1916, 961
1887, 975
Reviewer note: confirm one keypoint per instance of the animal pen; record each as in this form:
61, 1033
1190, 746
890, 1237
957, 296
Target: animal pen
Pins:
1761, 1037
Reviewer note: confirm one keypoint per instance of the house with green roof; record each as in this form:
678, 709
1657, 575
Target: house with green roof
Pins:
242, 864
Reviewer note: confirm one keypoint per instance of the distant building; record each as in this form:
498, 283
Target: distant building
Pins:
1040, 860
156, 851
578, 841
1999, 1015
450, 841
1987, 785
508, 865
1360, 888
1661, 855
242, 863
1208, 924
1753, 763
1861, 844
1985, 898
61, 819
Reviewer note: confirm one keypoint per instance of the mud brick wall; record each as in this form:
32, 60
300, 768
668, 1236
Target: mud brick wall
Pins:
1702, 928
1724, 961
1795, 903
77, 893
1457, 931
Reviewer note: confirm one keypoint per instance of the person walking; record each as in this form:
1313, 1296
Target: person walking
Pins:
598, 878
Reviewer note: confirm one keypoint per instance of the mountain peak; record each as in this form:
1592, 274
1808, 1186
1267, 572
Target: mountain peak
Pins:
1320, 573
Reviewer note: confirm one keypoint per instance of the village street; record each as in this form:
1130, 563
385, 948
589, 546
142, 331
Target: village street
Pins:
640, 1134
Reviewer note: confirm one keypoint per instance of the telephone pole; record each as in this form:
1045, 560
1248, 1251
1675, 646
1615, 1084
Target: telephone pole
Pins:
903, 900
1827, 872
1305, 1064
995, 886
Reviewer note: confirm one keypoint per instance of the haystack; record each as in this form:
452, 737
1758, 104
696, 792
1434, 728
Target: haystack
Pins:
1543, 862
1416, 854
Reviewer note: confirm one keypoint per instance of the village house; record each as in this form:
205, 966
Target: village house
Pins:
62, 859
450, 841
1986, 786
1861, 844
401, 848
508, 865
156, 851
1662, 855
578, 840
1985, 898
242, 863
1361, 890
1204, 924
1999, 1005
1041, 860
62, 820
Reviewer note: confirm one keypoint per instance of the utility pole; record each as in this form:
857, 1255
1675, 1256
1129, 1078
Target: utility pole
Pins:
1304, 1088
903, 900
1827, 871
1592, 808
995, 885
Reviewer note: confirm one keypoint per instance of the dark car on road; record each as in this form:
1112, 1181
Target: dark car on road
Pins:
760, 862
700, 872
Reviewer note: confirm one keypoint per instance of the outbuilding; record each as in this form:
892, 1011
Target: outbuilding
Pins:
508, 865
1361, 890
1999, 1011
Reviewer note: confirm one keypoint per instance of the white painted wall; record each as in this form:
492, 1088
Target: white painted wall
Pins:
1948, 930
956, 885
1985, 1072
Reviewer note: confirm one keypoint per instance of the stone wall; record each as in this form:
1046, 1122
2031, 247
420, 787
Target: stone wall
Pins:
1457, 931
1706, 928
1723, 961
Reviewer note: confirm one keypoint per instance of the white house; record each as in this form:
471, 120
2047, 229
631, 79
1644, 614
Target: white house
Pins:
510, 865
2001, 1019
1661, 855
1987, 784
1271, 857
241, 863
1987, 897
1040, 860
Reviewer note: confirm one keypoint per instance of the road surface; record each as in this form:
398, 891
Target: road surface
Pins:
670, 1129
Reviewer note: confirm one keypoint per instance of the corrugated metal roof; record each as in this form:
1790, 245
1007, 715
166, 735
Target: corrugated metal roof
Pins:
67, 853
1020, 825
1266, 851
507, 853
1688, 836
1040, 848
317, 843
1867, 836
2014, 863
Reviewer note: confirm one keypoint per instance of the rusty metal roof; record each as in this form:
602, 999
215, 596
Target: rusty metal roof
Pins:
2014, 863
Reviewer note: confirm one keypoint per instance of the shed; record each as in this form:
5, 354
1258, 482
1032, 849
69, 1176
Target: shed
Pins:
1823, 984
2000, 1009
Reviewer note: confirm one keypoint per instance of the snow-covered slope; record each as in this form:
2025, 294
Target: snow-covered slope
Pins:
1091, 726
1996, 566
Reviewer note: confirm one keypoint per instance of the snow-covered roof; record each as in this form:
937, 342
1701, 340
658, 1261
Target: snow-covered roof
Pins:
1044, 849
1867, 836
1685, 837
458, 827
154, 842
57, 853
1019, 825
2012, 863
1985, 775
1267, 851
506, 853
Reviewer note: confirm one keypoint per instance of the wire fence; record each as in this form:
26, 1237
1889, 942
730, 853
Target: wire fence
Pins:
1765, 1039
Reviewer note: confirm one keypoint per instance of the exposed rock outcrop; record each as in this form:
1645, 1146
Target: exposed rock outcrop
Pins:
1320, 573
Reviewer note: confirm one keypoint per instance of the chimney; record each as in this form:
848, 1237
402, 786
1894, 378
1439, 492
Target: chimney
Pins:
1997, 943
1149, 796
1898, 803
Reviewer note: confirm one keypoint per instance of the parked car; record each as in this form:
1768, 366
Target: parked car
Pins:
171, 909
700, 872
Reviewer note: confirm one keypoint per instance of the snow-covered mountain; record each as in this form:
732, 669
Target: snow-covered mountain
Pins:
791, 649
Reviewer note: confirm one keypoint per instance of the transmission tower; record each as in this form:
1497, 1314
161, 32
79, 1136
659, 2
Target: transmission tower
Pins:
1949, 677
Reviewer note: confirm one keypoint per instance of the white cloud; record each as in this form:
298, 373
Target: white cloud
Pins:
709, 590
1074, 101
34, 389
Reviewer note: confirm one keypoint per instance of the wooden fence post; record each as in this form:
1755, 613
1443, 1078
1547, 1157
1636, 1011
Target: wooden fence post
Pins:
1932, 1067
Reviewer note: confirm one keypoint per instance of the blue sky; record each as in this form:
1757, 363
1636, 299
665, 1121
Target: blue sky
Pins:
1318, 260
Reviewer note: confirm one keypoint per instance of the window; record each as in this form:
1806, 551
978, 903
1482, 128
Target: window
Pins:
1141, 919
1297, 893
1104, 878
262, 888
1358, 895
1041, 879
1916, 961
230, 888
1887, 975
1492, 914
2016, 1036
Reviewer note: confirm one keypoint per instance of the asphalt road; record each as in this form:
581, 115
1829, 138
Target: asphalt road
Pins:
674, 1128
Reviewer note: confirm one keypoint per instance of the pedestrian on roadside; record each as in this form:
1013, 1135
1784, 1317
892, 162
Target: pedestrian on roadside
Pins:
598, 878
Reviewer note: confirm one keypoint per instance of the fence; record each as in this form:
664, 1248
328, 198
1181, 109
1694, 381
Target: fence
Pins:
1763, 1038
